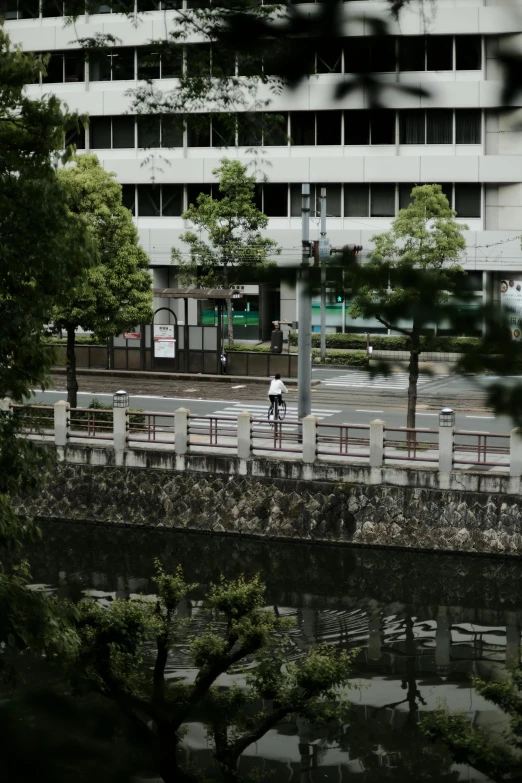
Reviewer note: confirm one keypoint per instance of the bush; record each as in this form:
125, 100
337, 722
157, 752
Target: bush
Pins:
78, 341
384, 342
254, 348
353, 359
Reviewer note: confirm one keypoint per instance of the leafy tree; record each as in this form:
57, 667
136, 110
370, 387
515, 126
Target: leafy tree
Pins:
410, 274
115, 293
239, 629
233, 226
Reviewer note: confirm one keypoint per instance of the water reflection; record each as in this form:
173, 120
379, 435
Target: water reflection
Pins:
423, 623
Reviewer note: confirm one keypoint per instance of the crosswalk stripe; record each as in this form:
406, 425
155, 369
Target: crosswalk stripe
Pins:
360, 379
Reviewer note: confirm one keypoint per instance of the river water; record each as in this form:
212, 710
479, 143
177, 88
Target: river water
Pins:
423, 623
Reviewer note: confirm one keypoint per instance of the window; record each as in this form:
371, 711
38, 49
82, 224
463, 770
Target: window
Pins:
357, 127
74, 67
439, 53
329, 57
123, 64
439, 126
198, 130
224, 131
23, 9
356, 200
382, 201
193, 192
249, 129
405, 198
223, 62
100, 133
382, 126
275, 130
468, 126
302, 129
275, 197
117, 65
52, 8
329, 127
382, 54
467, 200
333, 199
412, 127
171, 131
123, 133
447, 189
295, 200
468, 54
171, 200
149, 132
149, 201
198, 60
148, 63
412, 53
128, 197
357, 53
76, 137
249, 64
172, 62
54, 69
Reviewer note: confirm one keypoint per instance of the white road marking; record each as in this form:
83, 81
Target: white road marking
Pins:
363, 410
480, 417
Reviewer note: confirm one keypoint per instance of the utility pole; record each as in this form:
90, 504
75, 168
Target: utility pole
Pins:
304, 306
323, 276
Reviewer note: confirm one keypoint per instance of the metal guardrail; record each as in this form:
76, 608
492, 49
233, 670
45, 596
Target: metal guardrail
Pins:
482, 447
150, 427
278, 433
89, 423
215, 428
415, 449
36, 418
342, 437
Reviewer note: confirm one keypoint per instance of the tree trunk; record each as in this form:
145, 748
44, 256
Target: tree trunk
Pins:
230, 324
72, 383
413, 370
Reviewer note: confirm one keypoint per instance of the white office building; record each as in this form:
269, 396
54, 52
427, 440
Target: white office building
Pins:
458, 136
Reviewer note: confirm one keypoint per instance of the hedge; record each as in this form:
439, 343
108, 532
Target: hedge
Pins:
78, 341
382, 342
353, 359
254, 348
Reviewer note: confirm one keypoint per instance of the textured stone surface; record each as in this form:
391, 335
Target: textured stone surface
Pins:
282, 508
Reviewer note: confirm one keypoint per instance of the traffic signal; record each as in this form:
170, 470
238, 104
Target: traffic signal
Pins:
352, 250
339, 298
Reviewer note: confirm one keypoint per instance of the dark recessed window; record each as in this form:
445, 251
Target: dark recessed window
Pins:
275, 130
74, 67
275, 199
171, 131
28, 9
412, 53
356, 200
148, 63
117, 64
329, 127
198, 130
198, 60
468, 126
382, 126
447, 189
405, 197
468, 54
333, 199
122, 64
100, 133
172, 62
302, 128
357, 53
77, 137
467, 200
171, 200
224, 131
149, 201
223, 62
329, 57
382, 200
52, 8
249, 129
412, 127
357, 127
54, 69
193, 191
249, 64
123, 133
382, 54
295, 200
439, 53
128, 197
439, 126
148, 132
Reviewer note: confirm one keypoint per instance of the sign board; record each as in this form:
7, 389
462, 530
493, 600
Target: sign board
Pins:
324, 247
164, 342
511, 303
132, 335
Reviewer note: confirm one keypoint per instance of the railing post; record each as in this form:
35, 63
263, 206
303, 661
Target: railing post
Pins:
376, 443
309, 438
515, 453
446, 436
61, 422
120, 421
5, 405
181, 430
244, 435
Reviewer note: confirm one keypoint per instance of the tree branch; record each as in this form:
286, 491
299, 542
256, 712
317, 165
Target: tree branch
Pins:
393, 328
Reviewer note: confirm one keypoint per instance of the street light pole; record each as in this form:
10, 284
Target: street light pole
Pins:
304, 304
323, 277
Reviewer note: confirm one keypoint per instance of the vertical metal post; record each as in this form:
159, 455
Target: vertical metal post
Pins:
304, 359
323, 277
143, 360
186, 334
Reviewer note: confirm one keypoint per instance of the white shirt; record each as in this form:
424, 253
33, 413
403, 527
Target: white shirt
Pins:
277, 387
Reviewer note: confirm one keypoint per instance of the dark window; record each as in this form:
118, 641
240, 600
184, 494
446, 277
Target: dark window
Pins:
224, 131
198, 127
468, 53
172, 62
468, 126
275, 130
439, 126
123, 133
329, 127
223, 62
295, 200
171, 132
198, 60
74, 63
356, 200
329, 57
411, 53
333, 199
99, 67
148, 132
357, 127
128, 197
198, 3
405, 198
275, 199
171, 200
382, 54
357, 52
52, 8
382, 126
100, 133
148, 63
447, 189
412, 127
302, 128
467, 200
439, 53
193, 192
76, 137
101, 8
28, 9
249, 129
258, 196
149, 201
54, 69
249, 64
122, 64
382, 201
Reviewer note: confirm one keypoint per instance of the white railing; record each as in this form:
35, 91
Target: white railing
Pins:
307, 441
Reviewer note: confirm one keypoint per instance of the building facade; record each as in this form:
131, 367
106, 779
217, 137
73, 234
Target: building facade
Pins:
459, 135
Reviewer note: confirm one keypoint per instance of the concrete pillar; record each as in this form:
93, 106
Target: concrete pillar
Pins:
4, 405
515, 453
309, 438
120, 421
181, 430
376, 443
61, 422
244, 435
445, 450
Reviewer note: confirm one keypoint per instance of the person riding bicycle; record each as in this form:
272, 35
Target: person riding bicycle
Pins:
276, 390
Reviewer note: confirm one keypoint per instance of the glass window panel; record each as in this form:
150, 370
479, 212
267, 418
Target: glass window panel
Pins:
198, 3
122, 64
439, 53
76, 137
411, 53
329, 127
333, 199
357, 55
198, 60
28, 9
171, 132
223, 62
74, 67
382, 54
99, 67
447, 189
356, 200
224, 131
148, 132
275, 199
357, 127
249, 64
329, 56
258, 196
382, 126
439, 126
149, 201
128, 197
468, 52
249, 129
468, 126
405, 198
467, 200
275, 130
52, 8
54, 69
412, 127
123, 133
198, 127
302, 127
148, 5
172, 62
193, 192
382, 200
101, 9
100, 133
171, 200
148, 63
295, 200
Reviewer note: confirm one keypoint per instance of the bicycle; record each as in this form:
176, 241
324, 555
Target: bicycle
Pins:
277, 410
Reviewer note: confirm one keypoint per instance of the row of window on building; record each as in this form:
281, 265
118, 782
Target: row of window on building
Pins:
357, 127
284, 200
349, 55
